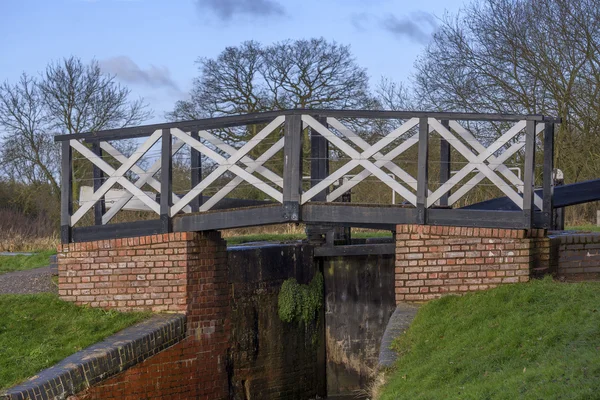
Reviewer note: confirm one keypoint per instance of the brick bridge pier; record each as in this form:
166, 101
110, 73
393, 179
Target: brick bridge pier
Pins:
187, 273
175, 272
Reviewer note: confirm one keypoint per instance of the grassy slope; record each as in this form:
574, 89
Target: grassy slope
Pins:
19, 263
589, 228
538, 340
37, 331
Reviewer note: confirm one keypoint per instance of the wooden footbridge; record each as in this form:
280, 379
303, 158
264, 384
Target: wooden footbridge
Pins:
298, 164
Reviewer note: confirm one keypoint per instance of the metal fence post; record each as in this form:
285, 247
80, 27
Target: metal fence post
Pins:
422, 173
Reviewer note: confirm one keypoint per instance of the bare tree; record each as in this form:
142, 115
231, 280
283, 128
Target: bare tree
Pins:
250, 78
80, 98
69, 97
394, 96
314, 73
28, 153
523, 56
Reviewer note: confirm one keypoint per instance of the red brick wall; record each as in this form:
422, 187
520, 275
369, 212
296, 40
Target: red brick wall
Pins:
576, 256
182, 371
141, 273
435, 260
184, 272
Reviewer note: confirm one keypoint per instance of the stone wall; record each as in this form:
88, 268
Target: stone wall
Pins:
436, 260
576, 256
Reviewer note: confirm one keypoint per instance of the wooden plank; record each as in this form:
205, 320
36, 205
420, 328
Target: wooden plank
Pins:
115, 176
355, 250
422, 171
353, 215
195, 173
144, 177
98, 175
445, 160
529, 173
220, 195
564, 196
477, 161
248, 161
214, 220
319, 159
116, 231
264, 117
66, 192
495, 163
477, 218
228, 164
548, 181
166, 181
292, 167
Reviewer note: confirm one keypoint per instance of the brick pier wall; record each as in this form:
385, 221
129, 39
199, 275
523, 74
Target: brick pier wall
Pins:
435, 260
576, 256
178, 272
235, 344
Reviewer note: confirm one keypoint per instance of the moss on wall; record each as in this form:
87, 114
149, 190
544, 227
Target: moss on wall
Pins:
301, 303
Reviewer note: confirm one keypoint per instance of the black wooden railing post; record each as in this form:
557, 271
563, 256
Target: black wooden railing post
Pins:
66, 192
196, 173
548, 212
292, 167
422, 173
319, 159
529, 174
444, 164
166, 181
319, 170
100, 206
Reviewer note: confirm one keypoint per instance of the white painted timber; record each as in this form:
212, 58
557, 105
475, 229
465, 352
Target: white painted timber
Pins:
115, 176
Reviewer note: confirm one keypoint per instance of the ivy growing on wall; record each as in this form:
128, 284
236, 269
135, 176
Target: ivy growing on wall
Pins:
301, 303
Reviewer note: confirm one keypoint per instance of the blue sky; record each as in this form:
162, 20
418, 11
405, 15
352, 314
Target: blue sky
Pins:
152, 45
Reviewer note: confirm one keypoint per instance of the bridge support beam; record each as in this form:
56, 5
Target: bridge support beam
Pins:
176, 272
435, 260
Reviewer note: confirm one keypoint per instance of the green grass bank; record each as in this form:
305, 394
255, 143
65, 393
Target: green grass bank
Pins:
537, 340
25, 262
37, 331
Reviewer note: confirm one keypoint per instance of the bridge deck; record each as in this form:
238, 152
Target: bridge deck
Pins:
372, 216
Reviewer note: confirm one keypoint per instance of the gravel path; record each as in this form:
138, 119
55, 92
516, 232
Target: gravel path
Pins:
36, 280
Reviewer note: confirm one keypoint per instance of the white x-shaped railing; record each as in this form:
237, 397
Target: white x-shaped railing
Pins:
228, 160
226, 164
362, 159
485, 162
115, 176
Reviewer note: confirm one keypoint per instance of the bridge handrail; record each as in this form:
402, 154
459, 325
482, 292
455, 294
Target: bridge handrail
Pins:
267, 116
282, 132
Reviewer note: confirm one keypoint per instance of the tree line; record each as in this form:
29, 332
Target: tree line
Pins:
499, 56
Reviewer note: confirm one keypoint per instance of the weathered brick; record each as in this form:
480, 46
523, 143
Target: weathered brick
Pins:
460, 259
